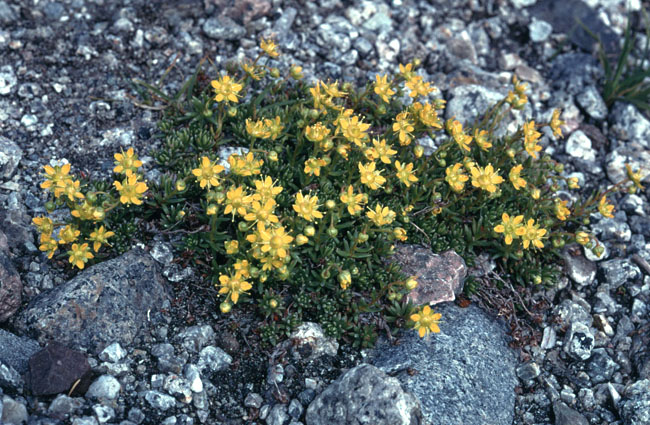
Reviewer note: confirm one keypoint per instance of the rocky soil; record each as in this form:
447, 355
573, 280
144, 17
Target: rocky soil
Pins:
87, 349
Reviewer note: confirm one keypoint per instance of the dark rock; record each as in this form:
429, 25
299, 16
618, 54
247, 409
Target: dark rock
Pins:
7, 15
463, 375
574, 71
579, 269
16, 226
223, 28
15, 351
619, 271
440, 277
363, 395
640, 225
628, 123
56, 368
11, 287
564, 415
54, 10
110, 301
601, 367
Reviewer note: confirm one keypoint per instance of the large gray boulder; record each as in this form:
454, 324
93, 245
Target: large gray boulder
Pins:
11, 287
108, 302
364, 395
465, 375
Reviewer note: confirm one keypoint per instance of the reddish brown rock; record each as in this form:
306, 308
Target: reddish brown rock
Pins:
11, 287
56, 369
440, 276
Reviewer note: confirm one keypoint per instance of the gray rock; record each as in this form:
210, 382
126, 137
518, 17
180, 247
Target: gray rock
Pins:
8, 80
195, 338
579, 269
363, 395
592, 102
564, 415
522, 3
604, 303
11, 286
363, 46
54, 10
223, 28
253, 400
528, 371
13, 412
630, 124
640, 225
62, 406
29, 120
569, 312
113, 353
103, 413
15, 351
295, 409
10, 156
9, 378
635, 405
162, 253
310, 341
579, 341
440, 276
578, 145
106, 387
108, 302
573, 71
278, 415
613, 228
632, 204
179, 388
136, 415
629, 153
85, 420
601, 367
7, 15
539, 30
465, 374
213, 359
193, 377
159, 400
387, 47
616, 272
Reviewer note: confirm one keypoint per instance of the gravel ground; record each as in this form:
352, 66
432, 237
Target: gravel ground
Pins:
67, 93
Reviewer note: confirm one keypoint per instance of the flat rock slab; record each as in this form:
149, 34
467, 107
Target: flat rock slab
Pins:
108, 302
464, 375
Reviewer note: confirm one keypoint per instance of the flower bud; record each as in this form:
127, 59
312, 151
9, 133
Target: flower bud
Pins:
273, 303
225, 307
345, 278
296, 72
442, 163
559, 168
511, 153
243, 226
91, 197
325, 274
598, 251
330, 204
314, 113
363, 237
211, 209
418, 151
332, 232
99, 213
232, 111
411, 283
273, 156
254, 271
354, 270
381, 109
50, 206
180, 215
301, 239
537, 279
180, 185
275, 72
417, 62
310, 231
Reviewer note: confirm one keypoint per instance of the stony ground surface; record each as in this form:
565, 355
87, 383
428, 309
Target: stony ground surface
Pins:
66, 93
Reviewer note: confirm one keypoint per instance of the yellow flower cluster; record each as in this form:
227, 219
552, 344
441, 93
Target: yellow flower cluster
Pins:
512, 228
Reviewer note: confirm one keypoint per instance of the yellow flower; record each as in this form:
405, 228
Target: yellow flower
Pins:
242, 267
382, 88
126, 161
583, 238
486, 178
380, 150
226, 89
404, 126
100, 236
79, 255
253, 71
634, 177
561, 211
244, 166
427, 114
400, 234
313, 166
352, 200
257, 129
345, 279
556, 123
307, 207
49, 245
262, 212
426, 321
515, 177
233, 286
573, 183
301, 239
535, 194
418, 87
480, 136
530, 139
296, 72
232, 247
211, 209
511, 227
605, 208
321, 100
265, 189
236, 201
207, 172
269, 47
455, 128
69, 234
353, 129
381, 216
405, 173
532, 233
406, 71
131, 189
274, 127
87, 211
44, 225
70, 189
273, 241
55, 176
370, 176
332, 89
456, 177
317, 132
